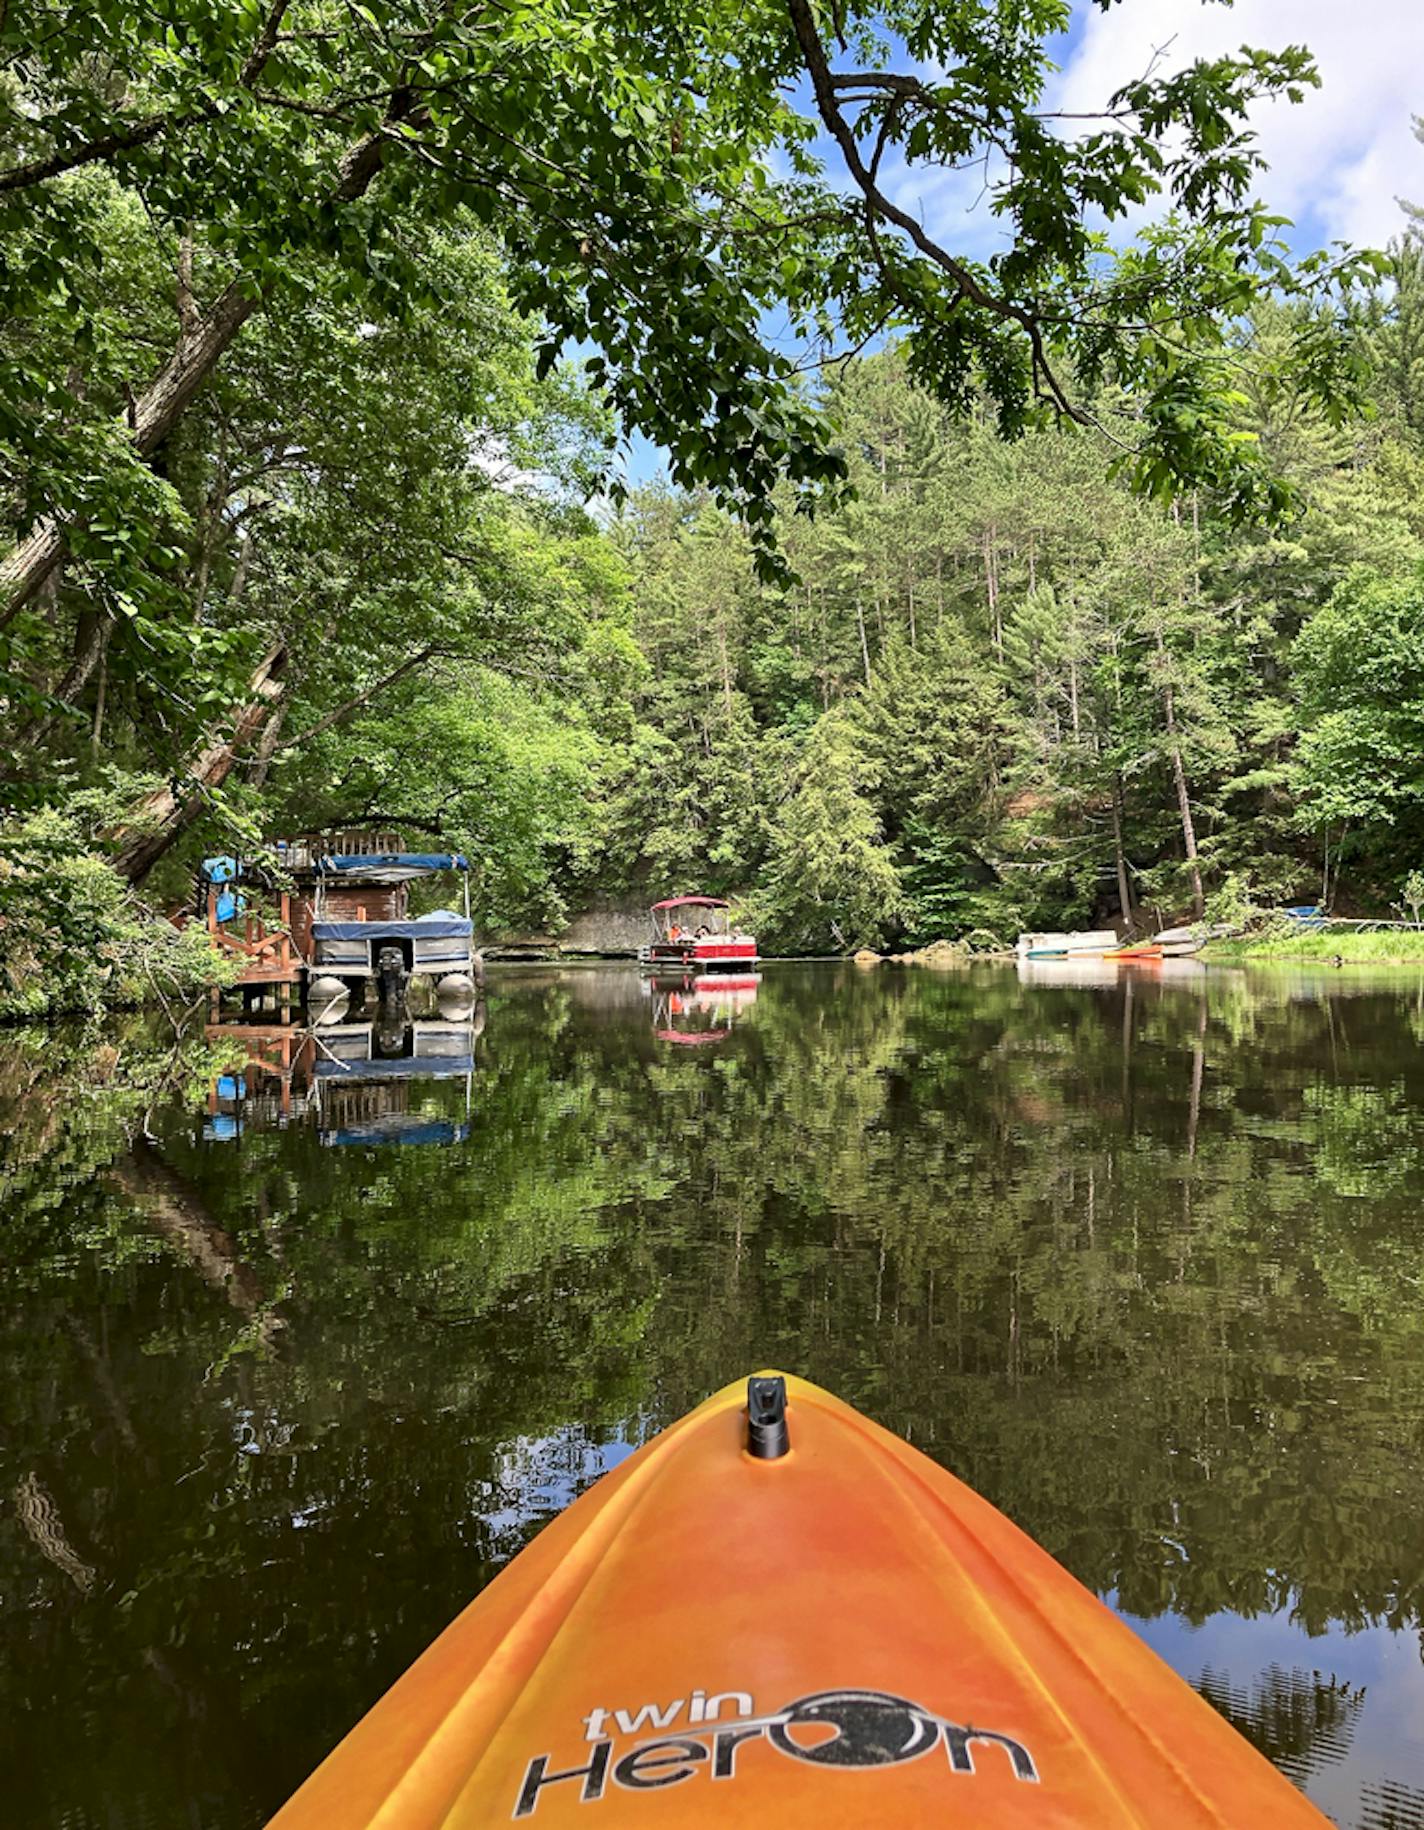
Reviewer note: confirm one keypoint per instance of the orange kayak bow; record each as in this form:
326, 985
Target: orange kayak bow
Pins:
777, 1613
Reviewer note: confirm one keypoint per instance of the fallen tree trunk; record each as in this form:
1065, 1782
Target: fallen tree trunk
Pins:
163, 816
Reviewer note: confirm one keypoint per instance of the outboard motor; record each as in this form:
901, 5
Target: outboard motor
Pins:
390, 1042
391, 975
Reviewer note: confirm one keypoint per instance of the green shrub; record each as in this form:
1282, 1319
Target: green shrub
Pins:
73, 936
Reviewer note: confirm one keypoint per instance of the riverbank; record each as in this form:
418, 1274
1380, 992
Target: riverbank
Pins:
1324, 946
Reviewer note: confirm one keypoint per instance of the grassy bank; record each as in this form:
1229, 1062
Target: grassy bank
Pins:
1324, 946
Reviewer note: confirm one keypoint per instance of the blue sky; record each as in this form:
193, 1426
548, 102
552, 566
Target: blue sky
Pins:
1340, 161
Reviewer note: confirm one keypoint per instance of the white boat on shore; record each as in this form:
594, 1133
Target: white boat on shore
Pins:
1067, 946
1171, 943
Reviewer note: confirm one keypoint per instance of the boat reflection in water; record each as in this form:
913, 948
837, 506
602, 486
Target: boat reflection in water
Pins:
364, 1074
272, 1087
355, 1083
696, 1009
1087, 970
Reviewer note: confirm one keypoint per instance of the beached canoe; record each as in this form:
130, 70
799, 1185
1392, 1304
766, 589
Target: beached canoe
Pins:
1144, 952
782, 1615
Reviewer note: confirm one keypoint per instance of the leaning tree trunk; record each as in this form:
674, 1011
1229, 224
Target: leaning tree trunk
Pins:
163, 816
201, 343
1184, 799
91, 640
1124, 887
155, 413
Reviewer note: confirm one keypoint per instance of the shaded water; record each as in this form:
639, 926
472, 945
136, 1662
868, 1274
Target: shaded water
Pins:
295, 1357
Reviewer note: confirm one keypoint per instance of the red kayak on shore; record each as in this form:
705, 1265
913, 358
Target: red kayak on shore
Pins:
778, 1614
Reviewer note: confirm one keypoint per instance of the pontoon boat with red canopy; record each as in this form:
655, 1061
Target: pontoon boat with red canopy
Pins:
695, 934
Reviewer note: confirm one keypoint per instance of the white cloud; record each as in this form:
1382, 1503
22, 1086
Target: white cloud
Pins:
1340, 160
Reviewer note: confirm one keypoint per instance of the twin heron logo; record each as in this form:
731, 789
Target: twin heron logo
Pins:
841, 1729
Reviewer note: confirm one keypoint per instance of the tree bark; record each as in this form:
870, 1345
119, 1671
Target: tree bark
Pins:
266, 751
201, 344
991, 584
1124, 888
1184, 804
1184, 799
163, 816
864, 645
101, 695
91, 639
91, 635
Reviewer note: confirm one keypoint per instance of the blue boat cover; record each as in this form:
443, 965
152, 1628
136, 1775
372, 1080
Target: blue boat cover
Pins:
399, 1129
445, 927
406, 1067
403, 863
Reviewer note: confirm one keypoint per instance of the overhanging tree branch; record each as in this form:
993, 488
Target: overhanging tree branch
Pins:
141, 133
200, 347
824, 85
357, 700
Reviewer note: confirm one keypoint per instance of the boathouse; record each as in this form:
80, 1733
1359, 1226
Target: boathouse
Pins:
335, 907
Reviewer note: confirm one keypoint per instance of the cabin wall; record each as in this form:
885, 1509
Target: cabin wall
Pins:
347, 902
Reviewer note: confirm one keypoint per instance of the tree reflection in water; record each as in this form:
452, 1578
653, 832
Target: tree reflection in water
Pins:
1137, 1257
1301, 1720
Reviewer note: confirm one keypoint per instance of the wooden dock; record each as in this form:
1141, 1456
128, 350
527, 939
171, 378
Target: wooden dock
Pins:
265, 956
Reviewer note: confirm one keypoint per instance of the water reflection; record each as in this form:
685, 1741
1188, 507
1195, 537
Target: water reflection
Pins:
356, 1082
1111, 974
1138, 1256
692, 1009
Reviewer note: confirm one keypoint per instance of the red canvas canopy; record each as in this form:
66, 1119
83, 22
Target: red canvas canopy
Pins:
693, 902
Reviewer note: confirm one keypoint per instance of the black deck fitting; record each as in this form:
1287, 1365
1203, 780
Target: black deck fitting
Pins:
767, 1435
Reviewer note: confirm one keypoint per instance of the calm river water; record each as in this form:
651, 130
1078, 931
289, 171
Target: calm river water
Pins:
298, 1352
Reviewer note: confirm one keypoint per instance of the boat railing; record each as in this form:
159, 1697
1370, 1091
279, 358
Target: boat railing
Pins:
303, 851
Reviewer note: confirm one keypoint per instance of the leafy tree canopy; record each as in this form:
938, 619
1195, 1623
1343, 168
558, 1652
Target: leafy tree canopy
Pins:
657, 187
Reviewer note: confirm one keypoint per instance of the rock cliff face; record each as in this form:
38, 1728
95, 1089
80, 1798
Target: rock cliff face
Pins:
607, 931
610, 931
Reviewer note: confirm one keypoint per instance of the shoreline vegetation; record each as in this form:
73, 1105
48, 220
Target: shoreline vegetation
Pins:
1013, 624
1321, 946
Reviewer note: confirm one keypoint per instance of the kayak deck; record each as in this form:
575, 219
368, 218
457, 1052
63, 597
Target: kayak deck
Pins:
842, 1634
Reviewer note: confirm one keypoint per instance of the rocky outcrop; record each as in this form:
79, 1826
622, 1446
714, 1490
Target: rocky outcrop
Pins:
615, 932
